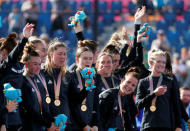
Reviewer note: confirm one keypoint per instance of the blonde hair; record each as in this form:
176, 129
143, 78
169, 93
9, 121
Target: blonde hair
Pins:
153, 53
115, 40
115, 36
34, 41
48, 66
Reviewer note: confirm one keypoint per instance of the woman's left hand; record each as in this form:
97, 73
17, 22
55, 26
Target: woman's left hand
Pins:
28, 30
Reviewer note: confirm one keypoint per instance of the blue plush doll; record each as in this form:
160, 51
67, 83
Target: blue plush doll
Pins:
12, 93
111, 129
61, 120
88, 74
79, 16
145, 27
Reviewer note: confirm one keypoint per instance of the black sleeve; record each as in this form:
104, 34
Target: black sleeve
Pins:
139, 53
136, 61
80, 36
29, 108
184, 114
74, 95
133, 53
3, 109
123, 56
96, 114
143, 99
176, 103
106, 105
13, 56
130, 113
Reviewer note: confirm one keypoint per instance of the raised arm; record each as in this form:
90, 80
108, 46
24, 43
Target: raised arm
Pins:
142, 98
17, 51
79, 31
133, 53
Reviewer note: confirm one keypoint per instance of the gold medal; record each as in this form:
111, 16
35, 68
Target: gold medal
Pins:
83, 107
57, 102
152, 108
48, 99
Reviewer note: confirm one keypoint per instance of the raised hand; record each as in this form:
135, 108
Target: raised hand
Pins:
78, 27
140, 13
124, 33
11, 106
140, 35
160, 91
28, 30
94, 128
87, 128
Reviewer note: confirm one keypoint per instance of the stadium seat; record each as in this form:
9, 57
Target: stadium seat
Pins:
48, 6
6, 6
170, 17
108, 18
73, 6
181, 26
4, 23
44, 21
59, 35
152, 37
102, 6
87, 6
161, 25
18, 5
116, 7
88, 34
132, 8
173, 36
71, 37
187, 16
186, 36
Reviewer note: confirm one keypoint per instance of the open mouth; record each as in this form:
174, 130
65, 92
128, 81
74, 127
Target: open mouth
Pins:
87, 66
128, 90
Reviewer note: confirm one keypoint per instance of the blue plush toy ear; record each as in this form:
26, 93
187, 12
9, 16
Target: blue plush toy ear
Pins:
7, 86
145, 26
111, 129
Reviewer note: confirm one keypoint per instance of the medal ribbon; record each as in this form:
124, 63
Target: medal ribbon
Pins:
79, 79
35, 87
44, 83
81, 86
120, 109
151, 87
57, 86
106, 84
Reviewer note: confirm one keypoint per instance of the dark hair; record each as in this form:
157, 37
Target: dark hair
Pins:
35, 41
92, 45
111, 49
168, 68
134, 71
184, 88
8, 43
28, 52
81, 50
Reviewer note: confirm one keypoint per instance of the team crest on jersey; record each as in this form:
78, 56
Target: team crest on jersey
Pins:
115, 108
37, 81
103, 89
170, 78
78, 86
33, 90
49, 82
17, 71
